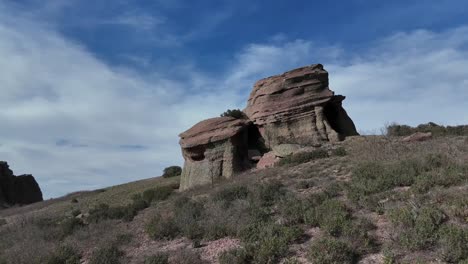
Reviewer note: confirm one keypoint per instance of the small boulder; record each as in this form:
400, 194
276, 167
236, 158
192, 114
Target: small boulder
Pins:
268, 160
418, 136
284, 150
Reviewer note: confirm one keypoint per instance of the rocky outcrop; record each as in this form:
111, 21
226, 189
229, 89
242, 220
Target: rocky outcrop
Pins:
285, 112
19, 190
298, 107
214, 148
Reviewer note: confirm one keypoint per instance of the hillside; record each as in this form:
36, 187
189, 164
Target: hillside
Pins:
368, 199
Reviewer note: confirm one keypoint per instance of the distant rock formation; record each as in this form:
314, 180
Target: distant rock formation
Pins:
214, 148
19, 190
283, 112
298, 107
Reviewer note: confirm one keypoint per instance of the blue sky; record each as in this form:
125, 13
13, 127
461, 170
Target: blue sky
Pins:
94, 93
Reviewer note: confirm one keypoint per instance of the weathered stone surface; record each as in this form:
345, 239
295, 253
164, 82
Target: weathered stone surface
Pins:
20, 190
418, 136
298, 107
284, 150
268, 160
214, 148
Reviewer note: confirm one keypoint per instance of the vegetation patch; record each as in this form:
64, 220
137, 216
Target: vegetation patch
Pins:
172, 171
157, 259
236, 113
108, 254
435, 129
303, 157
64, 254
330, 251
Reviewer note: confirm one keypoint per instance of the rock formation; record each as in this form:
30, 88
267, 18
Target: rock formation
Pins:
298, 107
19, 190
284, 112
213, 149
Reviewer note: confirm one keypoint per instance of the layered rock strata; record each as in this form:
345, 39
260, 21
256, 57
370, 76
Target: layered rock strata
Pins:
214, 148
298, 107
285, 112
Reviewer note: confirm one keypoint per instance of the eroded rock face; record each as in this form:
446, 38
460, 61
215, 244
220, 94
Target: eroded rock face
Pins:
285, 112
297, 107
20, 190
214, 148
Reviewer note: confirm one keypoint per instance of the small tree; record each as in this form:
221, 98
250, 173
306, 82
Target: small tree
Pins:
236, 113
172, 171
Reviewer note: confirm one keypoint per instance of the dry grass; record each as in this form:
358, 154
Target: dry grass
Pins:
375, 198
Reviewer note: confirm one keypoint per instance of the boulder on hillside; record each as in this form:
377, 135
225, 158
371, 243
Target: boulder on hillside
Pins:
17, 190
212, 149
298, 107
418, 136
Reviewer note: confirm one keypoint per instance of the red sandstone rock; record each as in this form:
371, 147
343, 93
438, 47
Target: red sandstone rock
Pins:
298, 107
212, 130
418, 136
268, 160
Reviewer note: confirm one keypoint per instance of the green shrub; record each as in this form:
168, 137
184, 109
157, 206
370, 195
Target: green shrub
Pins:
268, 242
375, 177
162, 228
340, 152
266, 194
236, 113
64, 255
157, 259
454, 243
75, 212
416, 228
70, 225
172, 171
332, 216
188, 217
2, 222
234, 256
292, 209
303, 157
229, 194
159, 193
108, 254
330, 251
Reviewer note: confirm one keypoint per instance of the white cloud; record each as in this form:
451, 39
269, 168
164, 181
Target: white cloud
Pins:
72, 120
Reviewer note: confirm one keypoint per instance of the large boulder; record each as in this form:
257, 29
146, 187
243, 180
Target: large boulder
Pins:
17, 190
298, 107
212, 149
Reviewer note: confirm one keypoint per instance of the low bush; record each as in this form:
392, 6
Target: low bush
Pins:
162, 228
330, 251
159, 193
108, 254
70, 225
332, 216
234, 256
160, 258
454, 243
64, 255
303, 157
268, 242
266, 194
2, 222
172, 171
340, 152
230, 194
416, 228
236, 113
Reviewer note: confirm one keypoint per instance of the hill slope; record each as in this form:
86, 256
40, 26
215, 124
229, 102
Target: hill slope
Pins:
365, 200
